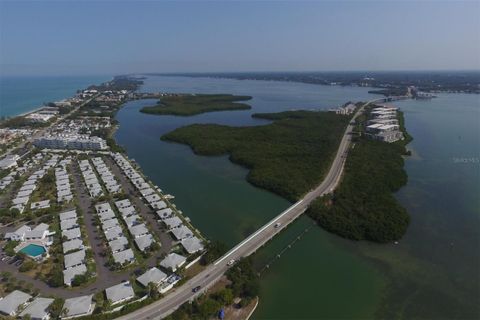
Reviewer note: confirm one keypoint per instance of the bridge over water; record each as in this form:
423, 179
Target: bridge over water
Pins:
212, 273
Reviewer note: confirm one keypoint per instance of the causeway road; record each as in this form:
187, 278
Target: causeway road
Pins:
214, 272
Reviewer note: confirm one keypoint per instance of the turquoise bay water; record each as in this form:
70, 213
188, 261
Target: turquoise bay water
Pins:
22, 94
33, 250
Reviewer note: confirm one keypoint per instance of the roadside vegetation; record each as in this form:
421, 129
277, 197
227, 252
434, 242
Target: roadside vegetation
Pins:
243, 286
363, 206
289, 156
189, 105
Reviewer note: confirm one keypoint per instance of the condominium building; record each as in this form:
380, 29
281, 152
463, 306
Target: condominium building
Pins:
71, 141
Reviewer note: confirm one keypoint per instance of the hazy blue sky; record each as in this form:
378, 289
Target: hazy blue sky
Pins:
105, 37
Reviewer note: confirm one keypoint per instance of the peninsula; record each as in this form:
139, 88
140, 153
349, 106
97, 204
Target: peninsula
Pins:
193, 104
291, 156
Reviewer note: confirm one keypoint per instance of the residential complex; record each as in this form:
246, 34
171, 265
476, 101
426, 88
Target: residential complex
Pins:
383, 124
71, 141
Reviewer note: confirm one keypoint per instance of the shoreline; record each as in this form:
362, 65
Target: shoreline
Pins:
257, 300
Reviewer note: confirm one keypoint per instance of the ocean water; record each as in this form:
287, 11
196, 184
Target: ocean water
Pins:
23, 94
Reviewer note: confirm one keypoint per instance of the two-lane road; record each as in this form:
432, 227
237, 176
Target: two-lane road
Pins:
214, 272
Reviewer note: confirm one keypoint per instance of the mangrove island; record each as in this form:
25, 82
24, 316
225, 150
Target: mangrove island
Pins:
193, 104
291, 155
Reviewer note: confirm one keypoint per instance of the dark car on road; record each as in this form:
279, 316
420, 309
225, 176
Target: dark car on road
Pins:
196, 289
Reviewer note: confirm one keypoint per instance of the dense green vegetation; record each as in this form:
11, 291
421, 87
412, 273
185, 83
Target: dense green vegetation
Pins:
289, 156
119, 83
244, 280
189, 105
292, 155
363, 206
215, 250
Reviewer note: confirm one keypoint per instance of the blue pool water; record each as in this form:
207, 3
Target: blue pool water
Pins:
33, 250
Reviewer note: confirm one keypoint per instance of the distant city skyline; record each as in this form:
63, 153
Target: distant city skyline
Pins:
107, 37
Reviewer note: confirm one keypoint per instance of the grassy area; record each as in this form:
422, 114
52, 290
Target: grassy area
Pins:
189, 105
289, 156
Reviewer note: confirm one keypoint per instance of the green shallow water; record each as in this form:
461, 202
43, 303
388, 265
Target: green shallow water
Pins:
314, 279
432, 273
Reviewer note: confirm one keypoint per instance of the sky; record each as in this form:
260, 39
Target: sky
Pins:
112, 37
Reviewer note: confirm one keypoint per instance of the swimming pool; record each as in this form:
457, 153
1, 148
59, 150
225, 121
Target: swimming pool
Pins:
33, 250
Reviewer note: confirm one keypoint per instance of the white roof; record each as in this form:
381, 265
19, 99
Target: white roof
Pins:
113, 233
146, 192
173, 261
152, 198
72, 245
73, 259
127, 211
120, 292
123, 203
21, 231
182, 232
63, 193
118, 244
103, 207
68, 224
173, 222
132, 220
144, 242
123, 256
106, 215
78, 306
41, 204
192, 244
38, 309
26, 187
10, 303
21, 200
138, 229
70, 273
41, 227
164, 213
25, 193
153, 275
388, 126
72, 233
158, 204
110, 223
